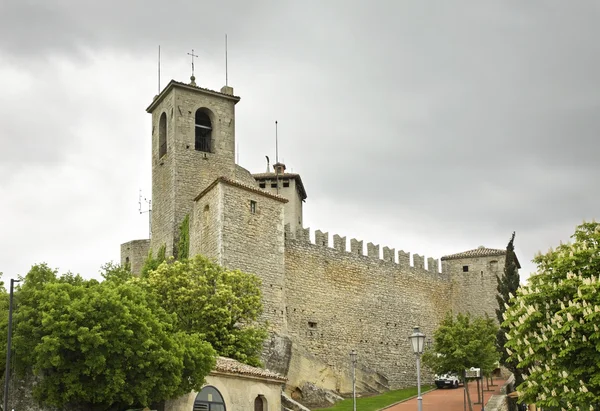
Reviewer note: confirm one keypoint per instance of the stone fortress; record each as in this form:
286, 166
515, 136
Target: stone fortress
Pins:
322, 298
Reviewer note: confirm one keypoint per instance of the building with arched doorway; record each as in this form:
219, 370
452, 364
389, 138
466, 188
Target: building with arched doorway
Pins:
233, 386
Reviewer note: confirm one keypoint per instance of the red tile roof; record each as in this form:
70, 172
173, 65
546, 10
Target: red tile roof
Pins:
231, 366
478, 252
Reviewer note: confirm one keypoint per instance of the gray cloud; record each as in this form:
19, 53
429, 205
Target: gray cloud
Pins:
429, 127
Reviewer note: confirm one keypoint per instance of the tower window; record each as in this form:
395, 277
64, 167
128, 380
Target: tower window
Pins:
203, 132
273, 185
262, 185
252, 206
465, 268
286, 183
162, 135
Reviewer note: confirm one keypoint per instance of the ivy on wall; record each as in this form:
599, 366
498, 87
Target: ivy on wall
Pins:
183, 246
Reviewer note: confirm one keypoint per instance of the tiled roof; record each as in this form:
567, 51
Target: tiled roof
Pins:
231, 366
272, 176
478, 252
240, 185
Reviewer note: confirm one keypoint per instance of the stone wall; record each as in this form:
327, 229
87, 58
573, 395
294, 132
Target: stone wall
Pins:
337, 301
162, 178
237, 234
206, 225
135, 253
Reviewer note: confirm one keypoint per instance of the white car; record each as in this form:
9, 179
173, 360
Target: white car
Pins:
447, 380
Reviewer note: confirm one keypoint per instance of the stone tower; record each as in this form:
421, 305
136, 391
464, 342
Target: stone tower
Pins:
232, 220
193, 143
473, 279
289, 186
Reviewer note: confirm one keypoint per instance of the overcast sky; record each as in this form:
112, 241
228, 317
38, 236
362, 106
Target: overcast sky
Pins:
428, 126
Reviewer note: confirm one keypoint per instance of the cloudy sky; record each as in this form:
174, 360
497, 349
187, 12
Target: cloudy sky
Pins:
433, 127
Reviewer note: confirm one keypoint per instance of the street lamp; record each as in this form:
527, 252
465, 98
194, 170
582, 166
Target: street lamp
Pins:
8, 344
353, 359
417, 340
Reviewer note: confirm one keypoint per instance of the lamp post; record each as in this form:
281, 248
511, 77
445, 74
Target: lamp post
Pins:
417, 340
8, 344
353, 358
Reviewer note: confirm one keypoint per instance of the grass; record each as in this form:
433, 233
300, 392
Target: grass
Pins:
377, 402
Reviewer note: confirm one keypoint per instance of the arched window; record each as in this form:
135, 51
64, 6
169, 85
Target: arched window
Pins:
203, 131
209, 399
260, 403
162, 135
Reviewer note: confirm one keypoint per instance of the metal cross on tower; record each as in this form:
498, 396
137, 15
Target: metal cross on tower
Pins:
193, 55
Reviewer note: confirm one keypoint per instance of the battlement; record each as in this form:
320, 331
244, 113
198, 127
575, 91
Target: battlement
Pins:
388, 255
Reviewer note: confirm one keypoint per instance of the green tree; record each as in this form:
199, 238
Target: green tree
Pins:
222, 305
507, 286
102, 346
553, 322
463, 342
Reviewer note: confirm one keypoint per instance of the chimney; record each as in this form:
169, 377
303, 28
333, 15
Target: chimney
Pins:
279, 168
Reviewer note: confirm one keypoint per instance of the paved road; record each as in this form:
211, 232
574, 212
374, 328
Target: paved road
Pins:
449, 399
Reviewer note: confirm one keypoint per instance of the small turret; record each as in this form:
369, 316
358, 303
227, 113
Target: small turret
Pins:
287, 185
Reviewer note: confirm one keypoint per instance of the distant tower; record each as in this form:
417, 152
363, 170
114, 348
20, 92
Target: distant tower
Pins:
193, 143
289, 186
474, 284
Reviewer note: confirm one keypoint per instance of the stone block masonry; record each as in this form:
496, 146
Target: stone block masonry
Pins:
337, 301
135, 253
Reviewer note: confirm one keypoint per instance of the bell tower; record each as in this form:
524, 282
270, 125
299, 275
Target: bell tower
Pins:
193, 143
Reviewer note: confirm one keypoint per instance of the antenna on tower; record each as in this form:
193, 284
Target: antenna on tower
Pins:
149, 211
276, 158
159, 69
276, 145
237, 150
226, 74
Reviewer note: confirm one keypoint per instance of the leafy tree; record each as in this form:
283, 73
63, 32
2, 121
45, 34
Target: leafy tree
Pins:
102, 346
222, 305
553, 322
463, 342
507, 286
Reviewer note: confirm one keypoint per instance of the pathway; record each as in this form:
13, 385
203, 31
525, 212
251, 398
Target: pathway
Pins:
449, 399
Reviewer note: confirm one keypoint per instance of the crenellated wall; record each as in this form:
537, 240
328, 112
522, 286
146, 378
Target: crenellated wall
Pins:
373, 251
338, 300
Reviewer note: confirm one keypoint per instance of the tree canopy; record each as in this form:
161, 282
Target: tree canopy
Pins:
102, 345
222, 305
131, 341
463, 342
554, 325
